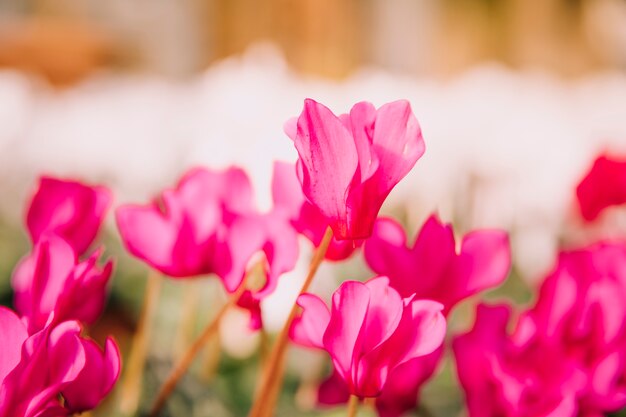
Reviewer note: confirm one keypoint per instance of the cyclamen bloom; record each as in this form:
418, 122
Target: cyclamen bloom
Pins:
70, 209
349, 164
433, 268
208, 224
369, 331
51, 283
305, 218
602, 187
566, 356
501, 379
54, 372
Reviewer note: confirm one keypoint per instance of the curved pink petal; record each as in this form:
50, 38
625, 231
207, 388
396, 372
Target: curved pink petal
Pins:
13, 334
329, 162
308, 328
603, 186
70, 209
349, 308
97, 378
486, 255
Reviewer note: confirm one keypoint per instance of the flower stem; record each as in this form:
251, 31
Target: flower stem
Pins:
185, 361
131, 387
271, 381
353, 406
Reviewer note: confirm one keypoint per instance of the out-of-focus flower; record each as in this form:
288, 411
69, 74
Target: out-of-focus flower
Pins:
602, 187
369, 332
209, 224
566, 355
500, 379
349, 164
433, 268
305, 218
52, 284
72, 210
54, 372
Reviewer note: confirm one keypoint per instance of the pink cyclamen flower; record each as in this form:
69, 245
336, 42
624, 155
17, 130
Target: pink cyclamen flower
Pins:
401, 392
54, 372
349, 164
369, 331
304, 216
502, 379
208, 224
581, 311
603, 186
52, 283
72, 210
433, 267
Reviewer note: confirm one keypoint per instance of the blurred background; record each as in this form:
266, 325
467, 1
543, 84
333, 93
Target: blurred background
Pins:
515, 98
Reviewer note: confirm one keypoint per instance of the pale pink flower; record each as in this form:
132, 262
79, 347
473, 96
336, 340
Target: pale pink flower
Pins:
349, 164
209, 224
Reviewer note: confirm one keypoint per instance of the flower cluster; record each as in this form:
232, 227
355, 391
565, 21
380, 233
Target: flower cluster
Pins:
47, 367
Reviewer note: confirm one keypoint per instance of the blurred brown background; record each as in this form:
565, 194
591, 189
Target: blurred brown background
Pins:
64, 40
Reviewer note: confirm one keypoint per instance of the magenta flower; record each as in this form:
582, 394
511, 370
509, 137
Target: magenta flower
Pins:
581, 311
566, 356
433, 268
208, 224
52, 284
349, 164
500, 379
603, 186
369, 331
72, 210
54, 372
401, 392
304, 216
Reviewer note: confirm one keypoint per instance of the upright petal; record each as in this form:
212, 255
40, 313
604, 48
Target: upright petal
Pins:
349, 308
329, 162
308, 328
603, 186
13, 334
71, 209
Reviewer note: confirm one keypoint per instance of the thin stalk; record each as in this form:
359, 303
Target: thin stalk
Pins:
185, 361
353, 406
131, 387
271, 382
187, 318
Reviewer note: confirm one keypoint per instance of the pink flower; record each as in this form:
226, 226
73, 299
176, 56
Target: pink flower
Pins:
54, 372
349, 164
401, 392
209, 224
52, 283
502, 380
72, 210
581, 311
566, 356
369, 332
304, 216
433, 268
603, 186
